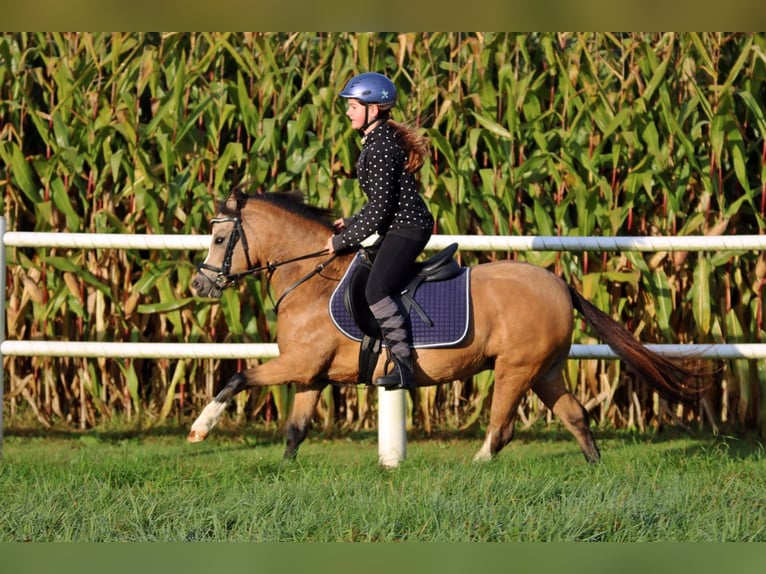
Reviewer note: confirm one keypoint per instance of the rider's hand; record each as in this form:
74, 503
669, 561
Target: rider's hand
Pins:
328, 246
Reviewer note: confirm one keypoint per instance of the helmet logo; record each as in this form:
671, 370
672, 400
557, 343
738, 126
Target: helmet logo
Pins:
384, 94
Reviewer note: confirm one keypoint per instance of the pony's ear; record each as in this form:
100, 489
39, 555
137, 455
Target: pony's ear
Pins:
232, 202
238, 197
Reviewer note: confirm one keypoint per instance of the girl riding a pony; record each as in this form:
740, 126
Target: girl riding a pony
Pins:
391, 154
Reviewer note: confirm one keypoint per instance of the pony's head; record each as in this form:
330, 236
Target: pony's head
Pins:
228, 257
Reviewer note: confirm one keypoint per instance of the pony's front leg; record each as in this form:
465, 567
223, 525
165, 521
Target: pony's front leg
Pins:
212, 412
297, 426
287, 368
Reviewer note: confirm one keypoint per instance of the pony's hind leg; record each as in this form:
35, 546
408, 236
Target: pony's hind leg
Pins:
553, 392
510, 385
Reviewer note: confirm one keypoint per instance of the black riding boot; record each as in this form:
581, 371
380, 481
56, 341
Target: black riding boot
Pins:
400, 377
393, 327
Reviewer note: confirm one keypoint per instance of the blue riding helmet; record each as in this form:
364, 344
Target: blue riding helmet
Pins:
371, 88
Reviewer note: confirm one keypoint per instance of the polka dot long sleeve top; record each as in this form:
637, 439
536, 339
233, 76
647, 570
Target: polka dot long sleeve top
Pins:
393, 198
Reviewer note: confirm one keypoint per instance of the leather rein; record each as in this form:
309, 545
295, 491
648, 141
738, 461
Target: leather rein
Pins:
225, 278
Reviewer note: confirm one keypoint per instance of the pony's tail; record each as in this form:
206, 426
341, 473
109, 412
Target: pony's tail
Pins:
669, 378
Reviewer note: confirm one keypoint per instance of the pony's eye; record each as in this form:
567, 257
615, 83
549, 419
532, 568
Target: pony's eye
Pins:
218, 240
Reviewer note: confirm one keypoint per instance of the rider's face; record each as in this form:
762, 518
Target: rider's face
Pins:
355, 113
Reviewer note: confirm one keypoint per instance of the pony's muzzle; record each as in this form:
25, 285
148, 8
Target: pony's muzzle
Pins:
207, 287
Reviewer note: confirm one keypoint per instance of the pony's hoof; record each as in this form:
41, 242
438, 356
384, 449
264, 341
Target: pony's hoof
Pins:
196, 436
482, 457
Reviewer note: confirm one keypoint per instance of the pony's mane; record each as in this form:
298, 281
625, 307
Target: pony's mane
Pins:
290, 201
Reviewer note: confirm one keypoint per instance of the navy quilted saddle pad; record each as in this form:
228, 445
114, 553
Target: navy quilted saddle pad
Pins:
446, 303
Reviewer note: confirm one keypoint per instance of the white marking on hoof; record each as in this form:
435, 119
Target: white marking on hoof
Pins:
206, 421
484, 454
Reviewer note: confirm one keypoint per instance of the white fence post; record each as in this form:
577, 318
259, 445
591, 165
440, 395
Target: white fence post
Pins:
392, 427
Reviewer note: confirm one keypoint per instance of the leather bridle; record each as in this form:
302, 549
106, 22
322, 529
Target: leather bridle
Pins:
225, 278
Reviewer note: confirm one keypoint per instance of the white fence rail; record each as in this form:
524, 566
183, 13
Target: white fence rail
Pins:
261, 350
269, 350
465, 242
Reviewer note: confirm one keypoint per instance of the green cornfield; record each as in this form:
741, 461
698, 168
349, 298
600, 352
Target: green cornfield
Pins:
571, 134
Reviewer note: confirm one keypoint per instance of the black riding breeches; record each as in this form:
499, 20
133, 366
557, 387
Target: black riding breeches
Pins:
393, 262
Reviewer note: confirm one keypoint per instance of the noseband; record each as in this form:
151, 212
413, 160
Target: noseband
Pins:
225, 278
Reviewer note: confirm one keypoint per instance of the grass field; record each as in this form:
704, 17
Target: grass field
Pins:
122, 486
